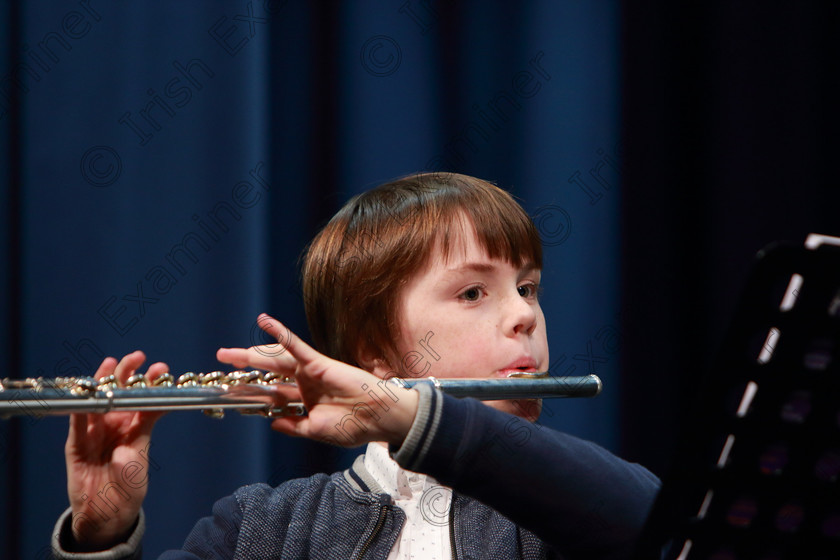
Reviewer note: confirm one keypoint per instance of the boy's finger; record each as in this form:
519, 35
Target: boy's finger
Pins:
78, 426
267, 357
156, 370
237, 357
106, 368
128, 365
299, 350
289, 425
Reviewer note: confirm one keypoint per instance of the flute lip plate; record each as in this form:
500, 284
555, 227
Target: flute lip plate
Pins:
527, 374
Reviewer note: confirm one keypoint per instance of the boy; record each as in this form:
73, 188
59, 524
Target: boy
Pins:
426, 275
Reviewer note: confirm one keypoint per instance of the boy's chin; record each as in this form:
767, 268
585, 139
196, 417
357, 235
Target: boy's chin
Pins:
527, 409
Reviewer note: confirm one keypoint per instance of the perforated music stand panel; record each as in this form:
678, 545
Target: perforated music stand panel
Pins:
757, 472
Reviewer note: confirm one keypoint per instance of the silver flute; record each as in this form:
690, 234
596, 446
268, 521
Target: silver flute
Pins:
251, 392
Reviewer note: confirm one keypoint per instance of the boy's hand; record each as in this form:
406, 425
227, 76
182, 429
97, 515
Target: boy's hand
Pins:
346, 405
108, 463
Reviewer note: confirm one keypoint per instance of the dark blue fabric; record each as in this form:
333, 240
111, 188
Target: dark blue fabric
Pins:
166, 163
572, 493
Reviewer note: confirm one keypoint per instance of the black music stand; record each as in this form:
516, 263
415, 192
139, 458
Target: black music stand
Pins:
757, 472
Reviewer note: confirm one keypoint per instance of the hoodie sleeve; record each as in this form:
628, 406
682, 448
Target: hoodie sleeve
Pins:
574, 494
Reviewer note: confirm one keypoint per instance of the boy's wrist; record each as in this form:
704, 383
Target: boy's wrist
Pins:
66, 545
398, 421
100, 539
426, 421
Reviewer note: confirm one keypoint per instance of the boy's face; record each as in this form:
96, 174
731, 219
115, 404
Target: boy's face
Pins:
473, 316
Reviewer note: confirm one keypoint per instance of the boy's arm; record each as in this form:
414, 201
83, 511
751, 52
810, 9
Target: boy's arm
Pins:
575, 495
212, 537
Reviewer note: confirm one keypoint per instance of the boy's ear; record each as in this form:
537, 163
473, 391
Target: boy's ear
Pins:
374, 363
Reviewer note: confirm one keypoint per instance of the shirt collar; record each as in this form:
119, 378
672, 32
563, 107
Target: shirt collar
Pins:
397, 482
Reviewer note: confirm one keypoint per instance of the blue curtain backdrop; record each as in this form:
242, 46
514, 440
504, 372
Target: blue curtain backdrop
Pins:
166, 163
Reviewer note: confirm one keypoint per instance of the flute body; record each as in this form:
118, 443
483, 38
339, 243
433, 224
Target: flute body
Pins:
247, 392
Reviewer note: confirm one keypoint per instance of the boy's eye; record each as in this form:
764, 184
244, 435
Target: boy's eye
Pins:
471, 294
527, 290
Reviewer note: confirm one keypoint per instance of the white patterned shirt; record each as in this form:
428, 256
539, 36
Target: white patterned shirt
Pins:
425, 533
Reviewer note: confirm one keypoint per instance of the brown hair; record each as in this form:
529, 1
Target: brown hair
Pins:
356, 267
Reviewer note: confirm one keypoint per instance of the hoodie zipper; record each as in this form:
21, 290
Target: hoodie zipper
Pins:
381, 521
383, 509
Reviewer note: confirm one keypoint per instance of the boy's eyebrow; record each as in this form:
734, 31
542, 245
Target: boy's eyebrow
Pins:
473, 267
486, 267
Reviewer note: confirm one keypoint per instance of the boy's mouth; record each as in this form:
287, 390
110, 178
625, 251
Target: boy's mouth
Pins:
521, 365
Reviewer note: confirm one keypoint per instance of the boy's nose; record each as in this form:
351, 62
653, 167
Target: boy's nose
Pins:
521, 316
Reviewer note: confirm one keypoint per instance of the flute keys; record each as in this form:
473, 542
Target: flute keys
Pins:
65, 383
107, 383
212, 379
216, 413
84, 387
163, 380
137, 380
242, 377
188, 379
291, 409
272, 378
36, 383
